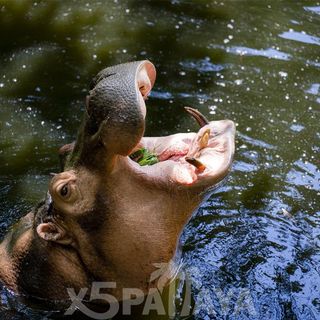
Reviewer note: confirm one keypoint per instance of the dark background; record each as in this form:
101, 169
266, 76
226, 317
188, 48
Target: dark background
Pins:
255, 62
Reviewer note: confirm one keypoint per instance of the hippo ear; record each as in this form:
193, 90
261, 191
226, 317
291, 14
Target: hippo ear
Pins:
49, 231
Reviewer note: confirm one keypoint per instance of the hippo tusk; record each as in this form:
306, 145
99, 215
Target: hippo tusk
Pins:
197, 163
198, 116
204, 140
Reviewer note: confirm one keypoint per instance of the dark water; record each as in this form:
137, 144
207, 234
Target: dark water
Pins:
253, 247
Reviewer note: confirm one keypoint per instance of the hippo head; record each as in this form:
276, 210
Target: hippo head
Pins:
118, 216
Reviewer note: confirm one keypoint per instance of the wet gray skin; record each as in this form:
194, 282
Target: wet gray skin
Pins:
106, 218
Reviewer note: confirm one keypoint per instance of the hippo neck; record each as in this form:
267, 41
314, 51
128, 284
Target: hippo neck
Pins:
143, 232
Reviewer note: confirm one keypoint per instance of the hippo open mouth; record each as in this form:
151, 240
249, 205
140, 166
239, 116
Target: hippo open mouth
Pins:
184, 158
194, 158
115, 119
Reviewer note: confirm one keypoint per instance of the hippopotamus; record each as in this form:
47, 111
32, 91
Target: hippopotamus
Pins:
105, 216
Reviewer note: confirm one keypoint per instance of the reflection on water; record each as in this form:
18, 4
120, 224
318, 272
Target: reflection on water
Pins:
300, 37
256, 62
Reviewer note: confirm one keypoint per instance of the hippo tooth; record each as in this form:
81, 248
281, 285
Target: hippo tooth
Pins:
204, 139
197, 163
198, 116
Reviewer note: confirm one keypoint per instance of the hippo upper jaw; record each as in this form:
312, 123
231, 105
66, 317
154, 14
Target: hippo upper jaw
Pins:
114, 121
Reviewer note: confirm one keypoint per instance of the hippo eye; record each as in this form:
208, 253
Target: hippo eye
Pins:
64, 190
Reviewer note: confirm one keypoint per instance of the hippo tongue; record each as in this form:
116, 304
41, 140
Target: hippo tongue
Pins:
174, 152
181, 149
178, 150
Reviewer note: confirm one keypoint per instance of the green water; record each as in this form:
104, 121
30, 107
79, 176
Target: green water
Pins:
255, 62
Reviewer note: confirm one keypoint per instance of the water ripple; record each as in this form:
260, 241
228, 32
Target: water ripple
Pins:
256, 142
313, 9
304, 174
245, 51
203, 65
300, 37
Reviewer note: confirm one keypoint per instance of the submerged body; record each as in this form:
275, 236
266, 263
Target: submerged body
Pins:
105, 217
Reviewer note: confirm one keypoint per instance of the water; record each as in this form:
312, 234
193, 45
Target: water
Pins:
254, 244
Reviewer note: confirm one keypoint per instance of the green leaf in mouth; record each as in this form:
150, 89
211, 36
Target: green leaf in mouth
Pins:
144, 157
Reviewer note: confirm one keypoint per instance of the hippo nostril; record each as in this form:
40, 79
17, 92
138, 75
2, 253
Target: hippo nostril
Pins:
144, 87
145, 80
144, 90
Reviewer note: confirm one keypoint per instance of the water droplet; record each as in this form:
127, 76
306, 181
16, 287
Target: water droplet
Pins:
283, 74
